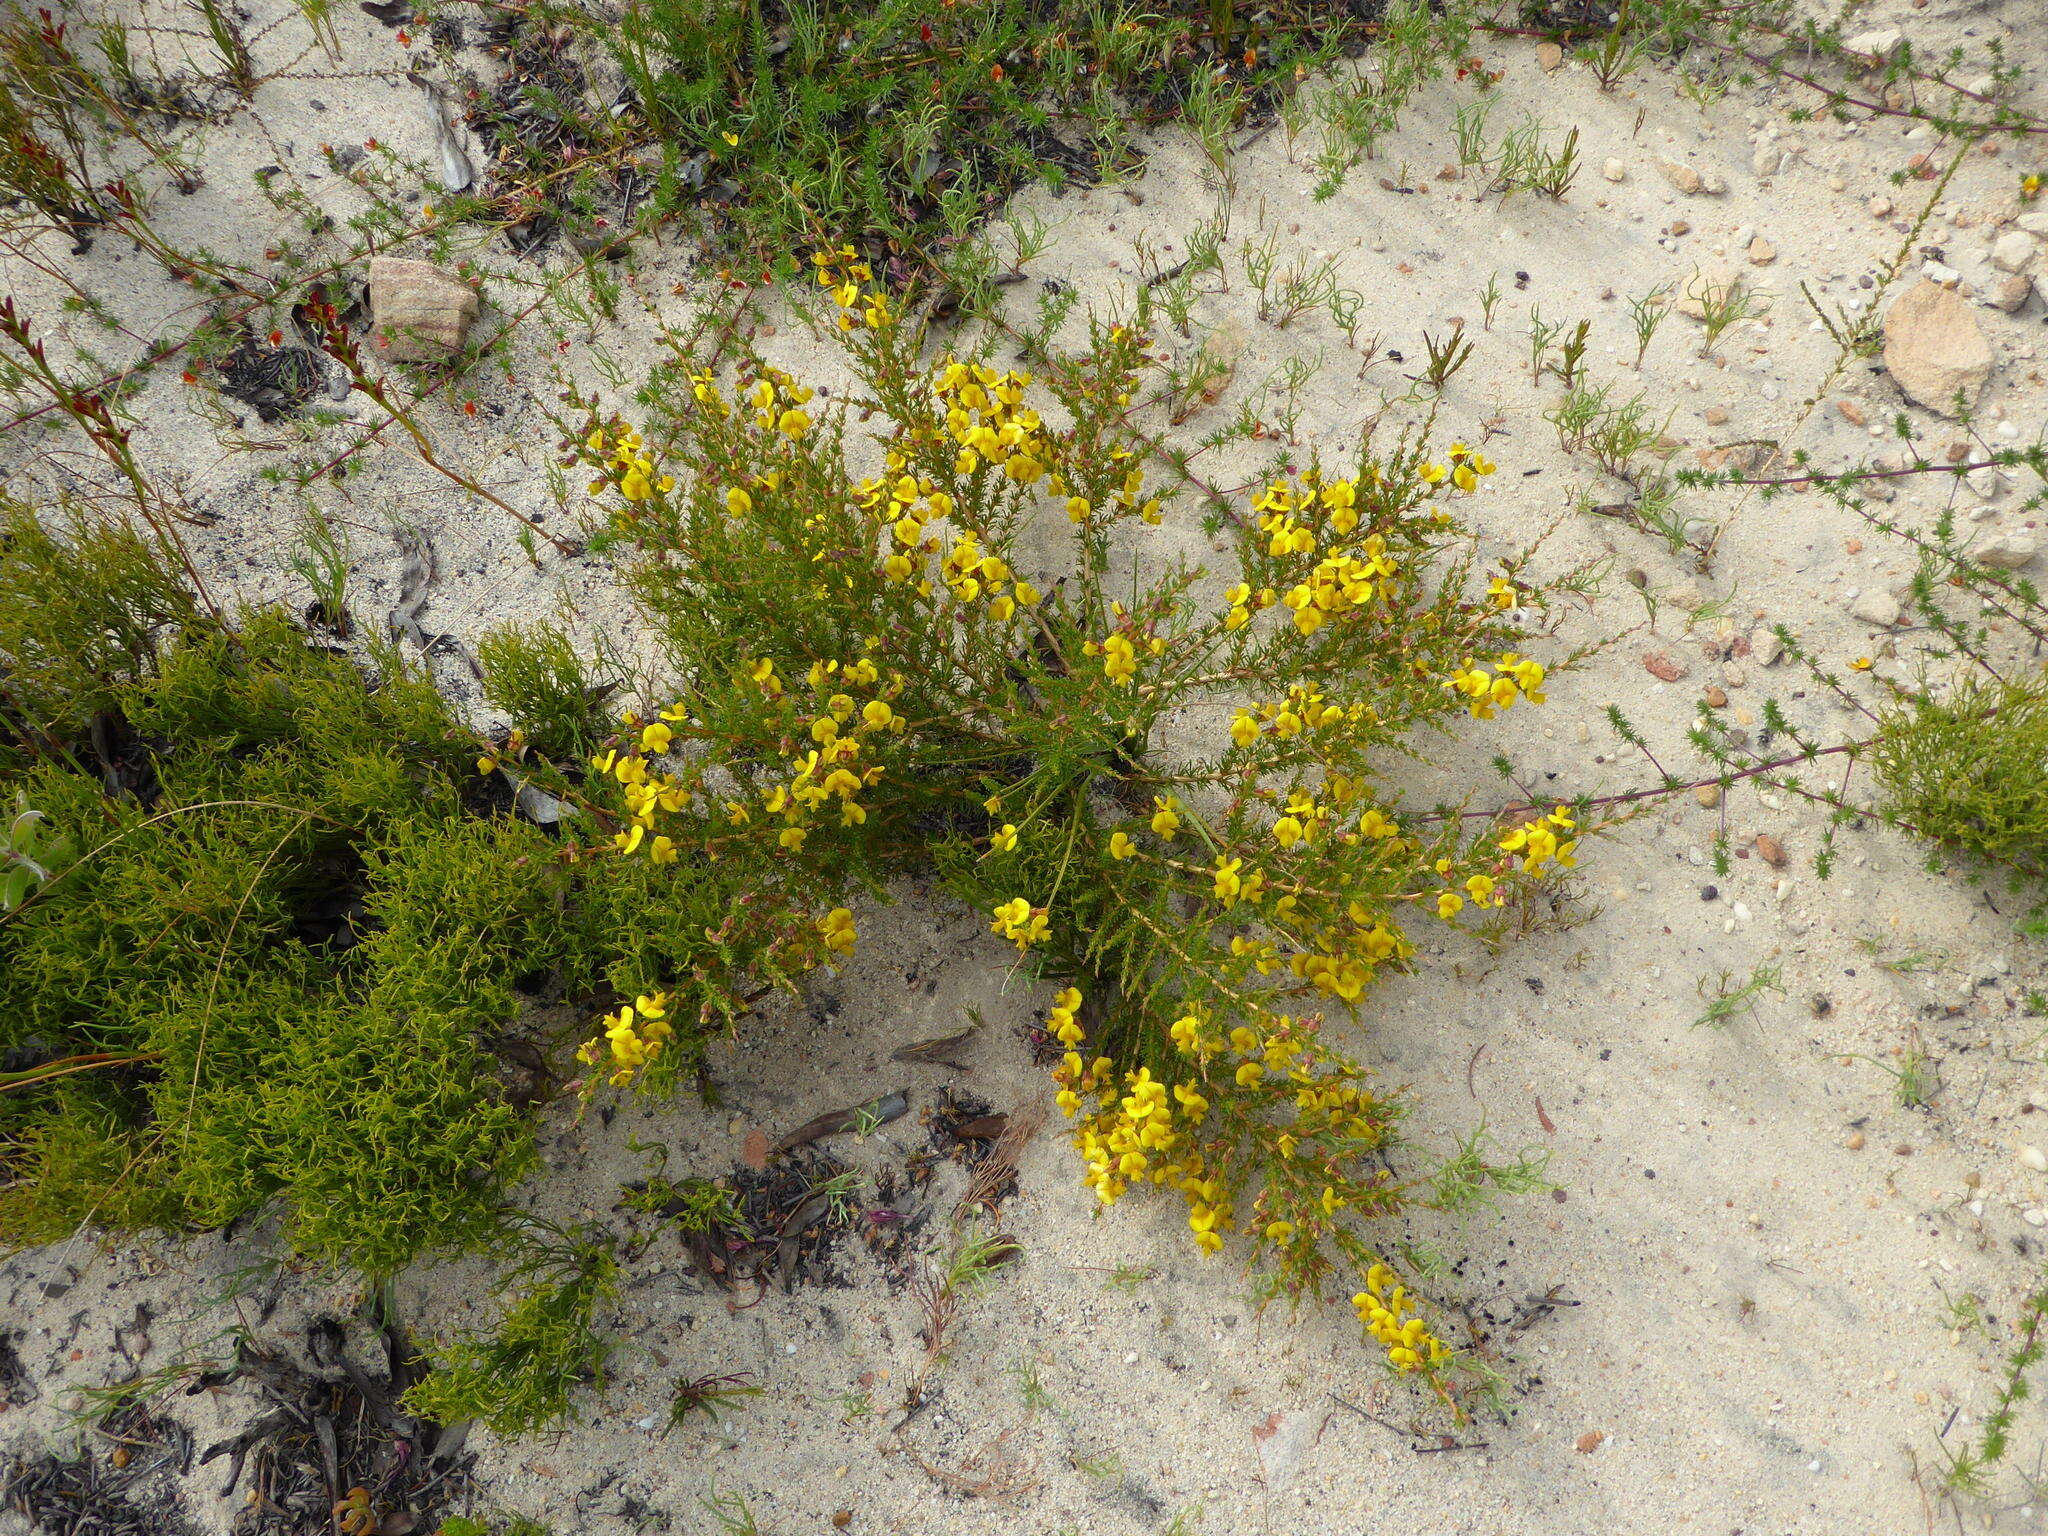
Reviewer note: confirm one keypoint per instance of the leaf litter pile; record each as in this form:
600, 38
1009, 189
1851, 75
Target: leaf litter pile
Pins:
328, 1451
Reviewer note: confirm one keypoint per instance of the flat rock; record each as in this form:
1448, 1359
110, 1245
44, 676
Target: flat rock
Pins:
1549, 58
2007, 551
1934, 349
421, 313
1874, 45
1766, 160
1876, 606
2012, 251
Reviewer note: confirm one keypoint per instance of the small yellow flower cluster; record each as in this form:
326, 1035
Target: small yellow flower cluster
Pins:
624, 466
1019, 920
837, 930
1131, 1137
1463, 471
842, 272
1539, 844
779, 402
1386, 1309
1063, 1022
1502, 593
1343, 961
988, 421
1483, 889
971, 572
844, 729
1127, 499
1340, 582
1304, 709
632, 1037
1486, 691
647, 791
1243, 601
515, 748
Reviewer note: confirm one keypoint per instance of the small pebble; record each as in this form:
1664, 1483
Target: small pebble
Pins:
1855, 1141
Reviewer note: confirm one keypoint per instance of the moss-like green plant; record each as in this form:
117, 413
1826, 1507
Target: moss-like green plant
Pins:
519, 1377
280, 918
1969, 770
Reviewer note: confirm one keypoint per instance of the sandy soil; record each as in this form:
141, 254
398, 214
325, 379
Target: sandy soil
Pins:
1753, 1247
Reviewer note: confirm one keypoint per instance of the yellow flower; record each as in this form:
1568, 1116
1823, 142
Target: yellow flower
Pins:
1226, 881
793, 423
738, 502
1004, 840
655, 739
1481, 888
1449, 904
1119, 659
837, 930
1165, 816
1244, 730
791, 838
662, 850
1120, 846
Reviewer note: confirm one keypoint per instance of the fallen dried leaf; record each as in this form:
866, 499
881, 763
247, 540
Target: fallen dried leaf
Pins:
754, 1150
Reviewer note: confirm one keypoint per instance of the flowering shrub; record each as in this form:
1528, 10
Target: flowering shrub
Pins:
1161, 784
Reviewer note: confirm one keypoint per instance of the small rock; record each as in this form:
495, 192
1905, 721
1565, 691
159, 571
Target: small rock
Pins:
2034, 1158
1877, 44
1708, 795
1549, 58
1715, 416
1855, 1141
1735, 675
1590, 1442
1282, 1439
420, 312
1765, 647
1716, 699
1770, 850
1852, 412
1681, 176
2034, 1216
1881, 207
2012, 251
2035, 223
2010, 292
1986, 482
1766, 160
1934, 348
1662, 667
2006, 551
1877, 606
1614, 170
1712, 182
1761, 252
